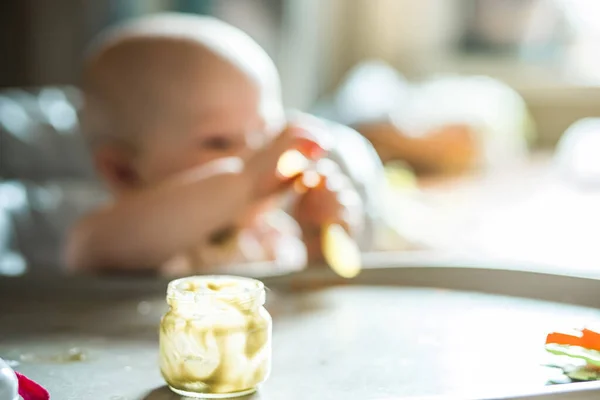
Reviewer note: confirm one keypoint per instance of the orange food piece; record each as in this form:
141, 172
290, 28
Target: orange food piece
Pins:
591, 339
585, 338
564, 339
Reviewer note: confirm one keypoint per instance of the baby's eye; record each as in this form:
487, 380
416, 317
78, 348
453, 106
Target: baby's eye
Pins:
217, 143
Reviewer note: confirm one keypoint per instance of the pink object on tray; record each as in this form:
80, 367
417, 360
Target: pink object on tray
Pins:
29, 390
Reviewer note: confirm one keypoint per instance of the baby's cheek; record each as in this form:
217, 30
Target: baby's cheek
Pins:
203, 157
156, 169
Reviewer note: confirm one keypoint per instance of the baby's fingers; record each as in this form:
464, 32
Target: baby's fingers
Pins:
274, 168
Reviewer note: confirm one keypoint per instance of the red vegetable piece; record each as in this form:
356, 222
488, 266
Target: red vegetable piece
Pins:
29, 390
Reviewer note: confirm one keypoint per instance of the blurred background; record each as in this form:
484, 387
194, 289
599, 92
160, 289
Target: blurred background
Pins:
482, 111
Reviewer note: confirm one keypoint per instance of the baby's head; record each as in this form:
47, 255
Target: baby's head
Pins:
170, 92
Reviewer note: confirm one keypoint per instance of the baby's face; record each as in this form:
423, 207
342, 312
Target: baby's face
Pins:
223, 119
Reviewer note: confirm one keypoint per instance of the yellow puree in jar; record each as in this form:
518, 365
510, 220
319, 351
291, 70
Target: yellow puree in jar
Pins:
216, 337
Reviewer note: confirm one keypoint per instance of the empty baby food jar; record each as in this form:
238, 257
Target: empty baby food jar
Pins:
215, 340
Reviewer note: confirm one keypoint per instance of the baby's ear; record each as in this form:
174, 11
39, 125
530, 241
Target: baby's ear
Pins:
115, 166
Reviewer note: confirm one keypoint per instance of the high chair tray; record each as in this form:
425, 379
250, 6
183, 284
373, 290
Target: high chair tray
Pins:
397, 331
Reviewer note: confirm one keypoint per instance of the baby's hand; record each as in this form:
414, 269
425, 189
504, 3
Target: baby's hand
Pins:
328, 198
261, 169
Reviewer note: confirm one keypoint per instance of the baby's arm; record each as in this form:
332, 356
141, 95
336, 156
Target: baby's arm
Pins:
145, 229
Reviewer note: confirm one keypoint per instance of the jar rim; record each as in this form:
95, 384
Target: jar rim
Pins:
199, 288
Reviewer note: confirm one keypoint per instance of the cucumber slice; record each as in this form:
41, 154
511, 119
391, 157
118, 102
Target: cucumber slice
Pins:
582, 374
592, 357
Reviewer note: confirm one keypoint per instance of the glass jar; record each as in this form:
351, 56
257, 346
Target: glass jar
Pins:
215, 340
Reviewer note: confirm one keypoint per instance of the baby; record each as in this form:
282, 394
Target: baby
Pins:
185, 122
